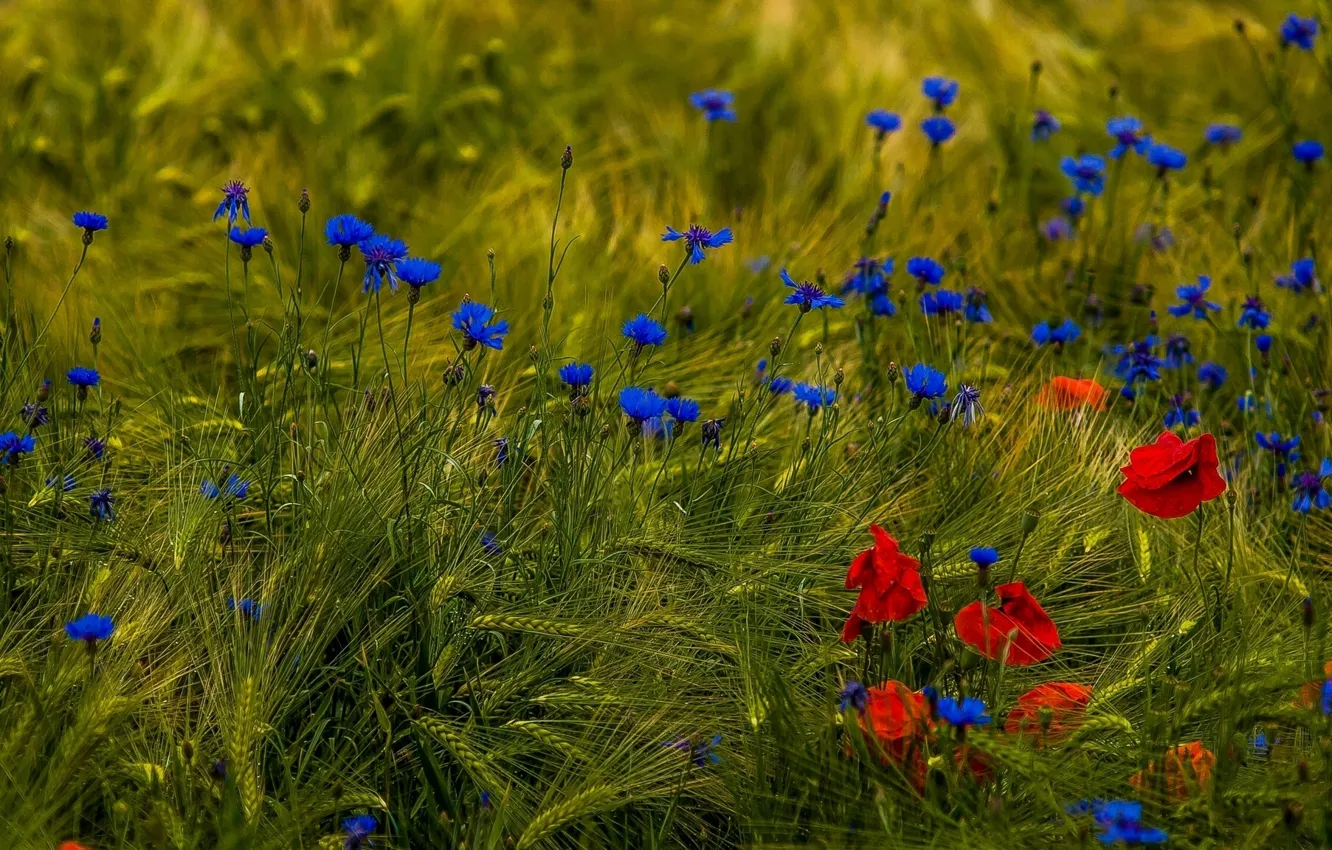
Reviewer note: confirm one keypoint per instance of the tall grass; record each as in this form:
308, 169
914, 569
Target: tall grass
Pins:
488, 644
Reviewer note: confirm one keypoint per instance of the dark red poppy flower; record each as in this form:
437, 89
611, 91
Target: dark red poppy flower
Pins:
1188, 768
1066, 703
1311, 693
889, 582
1018, 632
899, 720
1171, 478
1063, 393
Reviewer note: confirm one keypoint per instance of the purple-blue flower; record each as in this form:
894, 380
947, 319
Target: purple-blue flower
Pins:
715, 104
1309, 493
1193, 298
682, 409
1298, 31
91, 222
697, 238
941, 91
883, 122
1165, 158
346, 230
1212, 375
1302, 278
576, 376
83, 376
381, 255
1066, 332
854, 695
235, 201
90, 628
938, 129
641, 403
1043, 126
925, 270
1222, 135
476, 322
358, 831
814, 396
1128, 135
644, 330
966, 712
941, 302
1308, 151
925, 382
249, 237
1087, 173
101, 504
416, 272
809, 296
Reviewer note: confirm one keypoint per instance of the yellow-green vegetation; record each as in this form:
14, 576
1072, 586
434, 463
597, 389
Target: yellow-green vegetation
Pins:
378, 576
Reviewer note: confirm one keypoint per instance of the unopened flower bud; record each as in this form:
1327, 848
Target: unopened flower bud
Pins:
605, 431
838, 376
1029, 521
671, 390
893, 372
304, 203
775, 347
566, 161
533, 354
663, 274
1307, 612
945, 413
1045, 716
95, 336
344, 253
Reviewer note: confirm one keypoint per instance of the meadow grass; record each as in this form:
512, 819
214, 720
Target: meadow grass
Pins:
516, 619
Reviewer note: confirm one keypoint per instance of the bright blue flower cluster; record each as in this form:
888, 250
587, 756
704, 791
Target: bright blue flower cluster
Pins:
478, 325
714, 104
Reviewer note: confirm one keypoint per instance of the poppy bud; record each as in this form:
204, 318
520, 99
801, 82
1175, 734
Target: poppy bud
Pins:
1029, 521
671, 390
775, 347
1293, 815
304, 203
663, 274
566, 161
893, 372
1307, 612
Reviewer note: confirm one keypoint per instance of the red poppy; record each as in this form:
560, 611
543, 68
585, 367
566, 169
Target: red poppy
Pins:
889, 582
1171, 478
71, 845
899, 720
1188, 767
1311, 693
1063, 393
1066, 701
1019, 631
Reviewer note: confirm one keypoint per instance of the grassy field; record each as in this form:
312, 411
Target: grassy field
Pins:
377, 575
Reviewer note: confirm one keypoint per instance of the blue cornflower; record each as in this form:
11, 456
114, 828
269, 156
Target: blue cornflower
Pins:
1327, 698
34, 415
1325, 469
1246, 403
967, 712
1057, 229
1065, 333
1222, 135
576, 376
1298, 31
682, 409
235, 201
1119, 821
924, 382
247, 239
984, 556
381, 253
233, 488
13, 446
91, 222
473, 319
697, 238
1132, 833
854, 695
966, 406
883, 122
926, 270
1166, 158
714, 104
90, 628
101, 504
1212, 375
869, 277
358, 831
94, 446
1283, 449
1138, 361
711, 432
1258, 743
1073, 206
1302, 278
247, 607
1128, 135
489, 544
416, 272
976, 311
1178, 416
1309, 493
941, 90
1043, 126
501, 445
941, 302
780, 385
882, 305
705, 753
1087, 173
83, 376
1263, 342
1308, 151
814, 396
1177, 352
809, 296
1194, 298
644, 330
1253, 314
938, 129
641, 404
346, 230
66, 484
